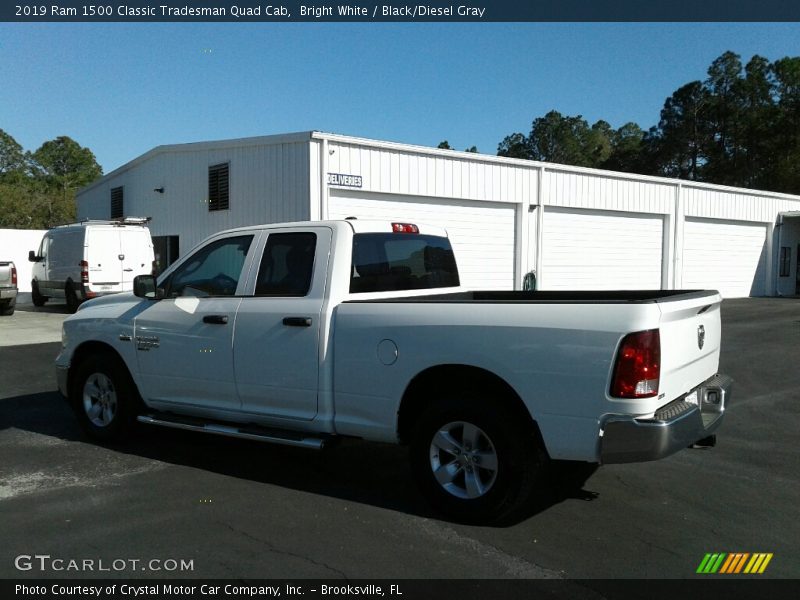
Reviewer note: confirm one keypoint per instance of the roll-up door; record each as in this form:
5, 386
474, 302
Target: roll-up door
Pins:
728, 256
482, 233
599, 250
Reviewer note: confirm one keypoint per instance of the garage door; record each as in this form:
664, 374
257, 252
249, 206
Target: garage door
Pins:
597, 250
482, 233
727, 256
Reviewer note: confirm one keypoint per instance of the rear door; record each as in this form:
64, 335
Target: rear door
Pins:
277, 350
184, 342
103, 253
136, 249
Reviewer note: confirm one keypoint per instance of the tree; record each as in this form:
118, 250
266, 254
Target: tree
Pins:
444, 145
681, 141
514, 146
12, 158
63, 166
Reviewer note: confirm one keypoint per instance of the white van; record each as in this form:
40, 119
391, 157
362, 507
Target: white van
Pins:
89, 259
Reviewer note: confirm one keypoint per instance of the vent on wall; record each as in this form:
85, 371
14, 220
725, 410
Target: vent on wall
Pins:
218, 184
117, 208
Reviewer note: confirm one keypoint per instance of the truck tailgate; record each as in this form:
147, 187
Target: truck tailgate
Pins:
690, 343
5, 273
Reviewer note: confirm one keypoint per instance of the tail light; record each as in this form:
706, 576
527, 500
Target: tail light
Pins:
404, 228
638, 367
13, 275
84, 271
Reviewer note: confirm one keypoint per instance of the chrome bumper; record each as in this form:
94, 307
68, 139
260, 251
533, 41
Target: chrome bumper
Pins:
62, 376
674, 426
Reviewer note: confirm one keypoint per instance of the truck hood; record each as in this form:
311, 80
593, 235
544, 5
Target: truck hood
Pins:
111, 306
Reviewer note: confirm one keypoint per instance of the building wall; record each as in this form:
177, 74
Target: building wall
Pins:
14, 245
269, 183
285, 178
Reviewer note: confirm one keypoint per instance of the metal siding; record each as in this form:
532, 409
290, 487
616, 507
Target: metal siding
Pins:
267, 184
735, 205
393, 171
594, 192
595, 250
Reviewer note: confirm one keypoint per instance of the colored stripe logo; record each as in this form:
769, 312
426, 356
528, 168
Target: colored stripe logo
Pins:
734, 563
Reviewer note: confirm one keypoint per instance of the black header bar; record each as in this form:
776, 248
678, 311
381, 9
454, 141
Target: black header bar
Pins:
392, 11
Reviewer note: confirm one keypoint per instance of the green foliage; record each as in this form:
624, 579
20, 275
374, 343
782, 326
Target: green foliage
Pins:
37, 190
740, 127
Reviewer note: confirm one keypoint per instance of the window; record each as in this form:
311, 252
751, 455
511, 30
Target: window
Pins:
214, 270
117, 209
287, 265
218, 187
391, 261
786, 261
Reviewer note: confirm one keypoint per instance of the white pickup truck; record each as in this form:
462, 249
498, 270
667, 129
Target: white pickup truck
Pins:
305, 333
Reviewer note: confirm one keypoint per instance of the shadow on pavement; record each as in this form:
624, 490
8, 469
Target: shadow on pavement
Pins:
364, 472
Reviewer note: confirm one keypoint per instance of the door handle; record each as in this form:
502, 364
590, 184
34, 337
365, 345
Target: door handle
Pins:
127, 270
297, 321
216, 319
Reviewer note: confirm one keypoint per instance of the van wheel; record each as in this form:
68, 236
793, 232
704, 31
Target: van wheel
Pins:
36, 297
72, 297
104, 398
475, 461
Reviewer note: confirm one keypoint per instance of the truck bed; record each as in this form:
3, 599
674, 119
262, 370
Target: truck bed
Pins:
552, 297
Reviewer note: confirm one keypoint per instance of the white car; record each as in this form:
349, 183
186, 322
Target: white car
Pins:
90, 259
304, 333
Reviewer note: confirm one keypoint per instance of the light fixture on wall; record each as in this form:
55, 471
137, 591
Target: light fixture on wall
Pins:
160, 190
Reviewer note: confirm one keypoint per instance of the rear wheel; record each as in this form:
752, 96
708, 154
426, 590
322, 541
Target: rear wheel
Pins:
71, 297
7, 309
474, 460
104, 398
36, 297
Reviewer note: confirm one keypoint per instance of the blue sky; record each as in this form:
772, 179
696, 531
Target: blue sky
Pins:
122, 89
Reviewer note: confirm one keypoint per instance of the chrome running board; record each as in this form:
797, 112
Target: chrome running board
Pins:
249, 432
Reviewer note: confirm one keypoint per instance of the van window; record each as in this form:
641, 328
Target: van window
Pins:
391, 261
214, 270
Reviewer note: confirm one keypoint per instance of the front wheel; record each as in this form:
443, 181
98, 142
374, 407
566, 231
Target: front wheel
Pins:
36, 296
104, 398
475, 461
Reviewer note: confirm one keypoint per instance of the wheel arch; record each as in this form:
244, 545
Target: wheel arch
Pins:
95, 347
417, 396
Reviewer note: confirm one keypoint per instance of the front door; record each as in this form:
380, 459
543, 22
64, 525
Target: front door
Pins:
184, 342
277, 355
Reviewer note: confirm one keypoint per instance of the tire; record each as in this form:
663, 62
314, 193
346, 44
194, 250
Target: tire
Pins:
104, 398
71, 297
36, 297
474, 461
7, 309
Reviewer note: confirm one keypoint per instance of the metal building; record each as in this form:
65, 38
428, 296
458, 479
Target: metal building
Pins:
575, 228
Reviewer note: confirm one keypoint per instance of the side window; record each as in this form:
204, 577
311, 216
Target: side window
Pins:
43, 247
214, 270
287, 265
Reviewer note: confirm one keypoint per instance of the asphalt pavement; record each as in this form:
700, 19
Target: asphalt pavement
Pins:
237, 509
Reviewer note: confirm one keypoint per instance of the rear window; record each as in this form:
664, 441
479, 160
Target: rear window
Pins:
398, 261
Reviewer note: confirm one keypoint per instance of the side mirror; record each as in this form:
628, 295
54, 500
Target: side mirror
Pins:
32, 256
144, 286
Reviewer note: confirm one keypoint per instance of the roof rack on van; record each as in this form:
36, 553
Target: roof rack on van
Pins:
120, 221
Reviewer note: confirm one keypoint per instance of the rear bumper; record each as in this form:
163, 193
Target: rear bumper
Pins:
8, 293
673, 427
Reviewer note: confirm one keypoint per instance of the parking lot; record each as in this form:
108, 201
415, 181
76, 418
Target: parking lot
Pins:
243, 509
